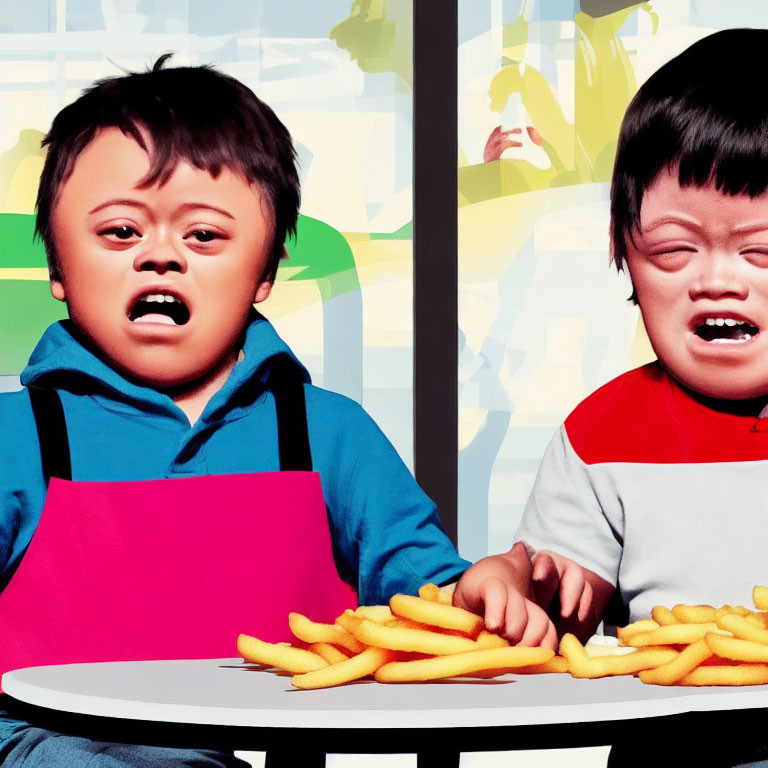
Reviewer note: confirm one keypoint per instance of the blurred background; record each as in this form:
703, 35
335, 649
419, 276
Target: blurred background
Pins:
540, 91
541, 86
337, 73
543, 317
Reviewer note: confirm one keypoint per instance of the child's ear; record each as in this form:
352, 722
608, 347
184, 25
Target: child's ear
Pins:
57, 290
265, 288
263, 291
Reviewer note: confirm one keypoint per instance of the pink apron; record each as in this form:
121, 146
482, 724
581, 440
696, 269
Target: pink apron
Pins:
173, 568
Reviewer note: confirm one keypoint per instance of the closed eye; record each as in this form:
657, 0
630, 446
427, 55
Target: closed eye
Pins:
758, 257
672, 258
674, 249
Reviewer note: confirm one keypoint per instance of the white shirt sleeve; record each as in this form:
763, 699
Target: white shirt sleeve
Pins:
571, 512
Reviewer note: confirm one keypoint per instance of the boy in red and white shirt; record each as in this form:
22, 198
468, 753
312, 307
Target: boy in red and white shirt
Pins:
654, 489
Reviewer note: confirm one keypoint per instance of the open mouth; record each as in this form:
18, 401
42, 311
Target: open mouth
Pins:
159, 308
725, 330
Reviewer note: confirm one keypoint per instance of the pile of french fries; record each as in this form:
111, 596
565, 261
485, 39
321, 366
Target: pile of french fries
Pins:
418, 639
686, 645
413, 639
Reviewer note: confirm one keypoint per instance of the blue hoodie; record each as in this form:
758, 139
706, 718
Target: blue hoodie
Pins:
383, 526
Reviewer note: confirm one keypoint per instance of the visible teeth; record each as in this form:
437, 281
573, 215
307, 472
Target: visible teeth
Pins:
159, 297
723, 321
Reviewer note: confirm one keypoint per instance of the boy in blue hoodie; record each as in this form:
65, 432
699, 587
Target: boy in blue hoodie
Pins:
164, 204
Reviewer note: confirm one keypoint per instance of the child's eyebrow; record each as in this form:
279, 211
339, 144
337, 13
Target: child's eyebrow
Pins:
138, 204
206, 206
758, 226
683, 221
117, 201
748, 228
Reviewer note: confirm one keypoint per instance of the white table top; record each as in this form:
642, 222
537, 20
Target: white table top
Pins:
228, 692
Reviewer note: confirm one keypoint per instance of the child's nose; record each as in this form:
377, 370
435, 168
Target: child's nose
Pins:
719, 277
161, 257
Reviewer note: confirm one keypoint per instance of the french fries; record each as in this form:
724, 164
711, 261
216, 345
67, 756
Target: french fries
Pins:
694, 614
740, 626
686, 645
502, 659
760, 598
435, 614
380, 613
312, 632
555, 664
295, 660
429, 592
582, 665
362, 665
418, 639
744, 674
737, 649
328, 652
684, 663
672, 634
663, 616
412, 639
643, 625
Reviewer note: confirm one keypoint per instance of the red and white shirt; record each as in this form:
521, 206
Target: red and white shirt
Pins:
661, 493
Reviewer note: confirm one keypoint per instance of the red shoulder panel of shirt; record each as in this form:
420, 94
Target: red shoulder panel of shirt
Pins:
644, 416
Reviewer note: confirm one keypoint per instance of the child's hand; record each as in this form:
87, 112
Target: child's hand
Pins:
499, 588
582, 593
552, 571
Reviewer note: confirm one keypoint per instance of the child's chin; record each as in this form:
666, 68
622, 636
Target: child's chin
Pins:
152, 375
729, 387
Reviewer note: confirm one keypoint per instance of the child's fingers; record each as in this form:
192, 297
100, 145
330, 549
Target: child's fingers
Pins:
516, 617
543, 566
539, 630
493, 594
585, 604
551, 640
545, 579
571, 589
519, 555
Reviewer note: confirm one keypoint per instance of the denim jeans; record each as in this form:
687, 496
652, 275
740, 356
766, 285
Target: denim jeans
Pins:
23, 744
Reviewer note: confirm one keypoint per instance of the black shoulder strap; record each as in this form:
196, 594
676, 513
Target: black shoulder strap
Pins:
292, 432
51, 432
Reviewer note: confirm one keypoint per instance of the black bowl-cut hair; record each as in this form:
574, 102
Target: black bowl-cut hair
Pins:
195, 114
703, 114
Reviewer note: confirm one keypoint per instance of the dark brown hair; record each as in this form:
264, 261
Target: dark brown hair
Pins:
195, 114
703, 114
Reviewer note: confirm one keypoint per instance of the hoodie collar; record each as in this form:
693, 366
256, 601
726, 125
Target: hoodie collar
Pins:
63, 359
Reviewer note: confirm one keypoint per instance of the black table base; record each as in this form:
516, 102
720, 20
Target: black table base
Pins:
708, 739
